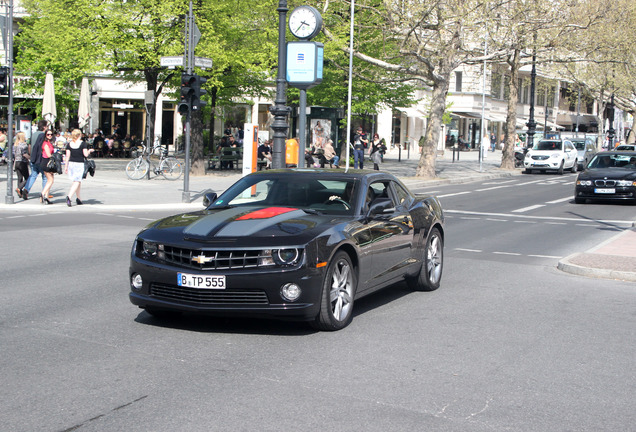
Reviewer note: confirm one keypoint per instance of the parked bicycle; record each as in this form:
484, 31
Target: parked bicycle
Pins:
169, 167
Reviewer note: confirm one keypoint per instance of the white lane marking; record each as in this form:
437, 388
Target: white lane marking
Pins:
493, 188
556, 223
469, 218
526, 222
499, 182
550, 218
453, 194
507, 253
559, 200
468, 250
126, 217
545, 256
14, 217
496, 220
147, 219
589, 225
525, 209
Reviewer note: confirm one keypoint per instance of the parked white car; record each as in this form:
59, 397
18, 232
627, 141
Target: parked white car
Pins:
552, 155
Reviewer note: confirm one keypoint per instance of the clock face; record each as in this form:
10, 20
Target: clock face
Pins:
305, 22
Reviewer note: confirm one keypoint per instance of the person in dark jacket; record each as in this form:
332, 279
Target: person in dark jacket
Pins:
36, 157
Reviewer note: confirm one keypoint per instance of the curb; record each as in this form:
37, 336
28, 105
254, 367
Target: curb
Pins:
566, 266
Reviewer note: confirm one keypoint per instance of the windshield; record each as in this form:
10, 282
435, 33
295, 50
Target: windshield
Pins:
624, 147
580, 145
548, 145
329, 196
613, 161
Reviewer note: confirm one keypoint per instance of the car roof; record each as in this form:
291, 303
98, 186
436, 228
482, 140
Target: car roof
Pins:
619, 153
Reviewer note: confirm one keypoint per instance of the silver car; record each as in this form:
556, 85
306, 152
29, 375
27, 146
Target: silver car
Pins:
586, 150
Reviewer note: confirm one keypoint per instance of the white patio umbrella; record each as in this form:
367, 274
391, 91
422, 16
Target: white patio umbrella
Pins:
48, 102
84, 112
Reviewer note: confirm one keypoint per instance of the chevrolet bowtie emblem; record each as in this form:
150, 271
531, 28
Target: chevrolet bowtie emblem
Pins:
202, 259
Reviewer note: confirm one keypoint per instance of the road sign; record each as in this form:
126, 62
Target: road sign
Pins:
196, 34
203, 62
123, 106
171, 62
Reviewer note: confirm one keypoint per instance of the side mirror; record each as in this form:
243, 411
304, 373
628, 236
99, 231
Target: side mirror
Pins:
381, 206
209, 198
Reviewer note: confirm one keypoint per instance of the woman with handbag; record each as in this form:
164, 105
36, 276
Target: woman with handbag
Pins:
76, 152
47, 151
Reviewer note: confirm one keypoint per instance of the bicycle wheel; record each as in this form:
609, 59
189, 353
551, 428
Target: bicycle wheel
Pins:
137, 169
171, 168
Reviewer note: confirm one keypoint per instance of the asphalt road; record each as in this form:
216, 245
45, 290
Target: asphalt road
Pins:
507, 343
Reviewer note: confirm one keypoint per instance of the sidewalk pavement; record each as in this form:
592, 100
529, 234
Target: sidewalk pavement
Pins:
111, 190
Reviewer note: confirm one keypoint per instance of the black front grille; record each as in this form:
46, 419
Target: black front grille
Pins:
212, 260
209, 297
603, 183
540, 157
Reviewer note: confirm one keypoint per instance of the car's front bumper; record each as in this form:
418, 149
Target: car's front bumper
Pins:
548, 164
247, 293
619, 193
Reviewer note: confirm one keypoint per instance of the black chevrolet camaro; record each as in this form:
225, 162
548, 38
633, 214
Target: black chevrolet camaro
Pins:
298, 244
610, 176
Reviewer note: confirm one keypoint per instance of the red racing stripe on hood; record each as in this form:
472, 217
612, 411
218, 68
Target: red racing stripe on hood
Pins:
265, 213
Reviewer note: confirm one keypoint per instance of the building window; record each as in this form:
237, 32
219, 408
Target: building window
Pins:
541, 97
458, 82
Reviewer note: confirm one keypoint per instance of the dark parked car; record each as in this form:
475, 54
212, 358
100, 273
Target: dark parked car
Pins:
609, 176
293, 244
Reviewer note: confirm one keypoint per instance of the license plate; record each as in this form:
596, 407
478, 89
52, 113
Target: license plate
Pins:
604, 190
201, 282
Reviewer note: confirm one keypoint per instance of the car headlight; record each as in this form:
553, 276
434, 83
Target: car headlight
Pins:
555, 156
280, 257
584, 182
625, 183
150, 250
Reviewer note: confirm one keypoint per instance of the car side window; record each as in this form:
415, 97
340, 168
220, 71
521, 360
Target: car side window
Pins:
376, 192
403, 197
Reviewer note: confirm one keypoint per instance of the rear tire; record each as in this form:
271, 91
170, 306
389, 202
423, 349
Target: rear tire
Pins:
171, 168
430, 275
338, 291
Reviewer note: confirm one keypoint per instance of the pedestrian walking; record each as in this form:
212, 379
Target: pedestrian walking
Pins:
36, 157
21, 163
76, 151
360, 143
47, 151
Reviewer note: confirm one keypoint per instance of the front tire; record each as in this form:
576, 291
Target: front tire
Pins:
528, 171
430, 275
338, 291
560, 171
137, 169
575, 167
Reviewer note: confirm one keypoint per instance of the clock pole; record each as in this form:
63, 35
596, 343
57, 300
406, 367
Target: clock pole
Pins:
280, 110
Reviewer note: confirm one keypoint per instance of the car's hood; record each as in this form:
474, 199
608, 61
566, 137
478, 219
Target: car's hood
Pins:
240, 223
544, 153
608, 173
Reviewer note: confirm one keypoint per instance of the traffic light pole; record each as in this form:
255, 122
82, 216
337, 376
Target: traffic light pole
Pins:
189, 57
9, 198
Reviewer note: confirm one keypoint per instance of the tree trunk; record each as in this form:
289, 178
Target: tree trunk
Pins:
631, 135
508, 154
196, 144
211, 146
426, 166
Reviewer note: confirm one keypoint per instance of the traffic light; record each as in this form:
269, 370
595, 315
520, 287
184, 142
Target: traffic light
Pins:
187, 92
4, 80
197, 103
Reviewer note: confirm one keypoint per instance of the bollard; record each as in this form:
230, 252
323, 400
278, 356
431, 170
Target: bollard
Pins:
399, 153
455, 150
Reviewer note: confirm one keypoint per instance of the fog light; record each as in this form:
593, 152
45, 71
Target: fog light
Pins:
290, 292
136, 281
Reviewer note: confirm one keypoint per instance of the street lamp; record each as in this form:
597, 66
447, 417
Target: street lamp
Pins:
532, 125
279, 110
611, 133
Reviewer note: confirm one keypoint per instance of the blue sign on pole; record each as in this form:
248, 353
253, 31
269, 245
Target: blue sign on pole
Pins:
304, 64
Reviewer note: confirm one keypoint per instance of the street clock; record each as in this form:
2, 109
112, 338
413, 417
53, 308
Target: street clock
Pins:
305, 22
